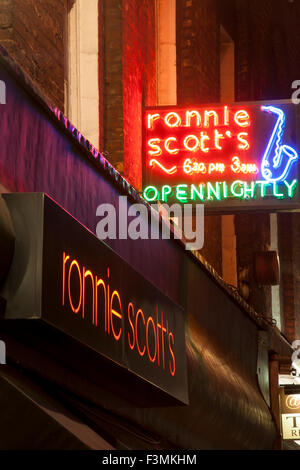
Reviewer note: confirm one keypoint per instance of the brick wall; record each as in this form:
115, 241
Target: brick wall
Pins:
139, 79
32, 32
268, 52
113, 141
198, 76
129, 71
267, 61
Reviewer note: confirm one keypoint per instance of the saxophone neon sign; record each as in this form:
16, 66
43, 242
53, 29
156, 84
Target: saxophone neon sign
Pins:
278, 167
206, 151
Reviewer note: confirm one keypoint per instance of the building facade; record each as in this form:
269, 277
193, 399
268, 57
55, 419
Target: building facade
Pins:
99, 63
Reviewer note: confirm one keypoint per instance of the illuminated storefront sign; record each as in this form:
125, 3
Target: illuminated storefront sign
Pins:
232, 155
290, 415
79, 285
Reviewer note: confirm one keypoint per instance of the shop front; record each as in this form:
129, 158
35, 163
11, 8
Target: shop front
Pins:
127, 344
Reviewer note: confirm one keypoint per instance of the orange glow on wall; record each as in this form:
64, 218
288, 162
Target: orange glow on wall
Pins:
88, 274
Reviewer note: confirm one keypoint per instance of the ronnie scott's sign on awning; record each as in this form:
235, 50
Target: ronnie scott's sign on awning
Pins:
241, 156
63, 276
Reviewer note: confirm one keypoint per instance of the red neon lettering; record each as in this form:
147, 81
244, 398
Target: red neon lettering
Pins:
242, 138
163, 330
226, 116
172, 119
207, 115
139, 312
241, 118
187, 166
157, 335
65, 259
190, 138
172, 365
188, 117
201, 131
153, 143
115, 313
203, 138
151, 118
218, 137
107, 323
131, 344
216, 168
246, 168
100, 282
169, 171
190, 167
74, 263
167, 145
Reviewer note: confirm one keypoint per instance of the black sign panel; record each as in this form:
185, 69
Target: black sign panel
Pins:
77, 284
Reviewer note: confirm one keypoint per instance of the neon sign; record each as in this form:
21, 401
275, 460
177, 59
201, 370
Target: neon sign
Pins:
221, 190
204, 154
150, 335
284, 155
94, 299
